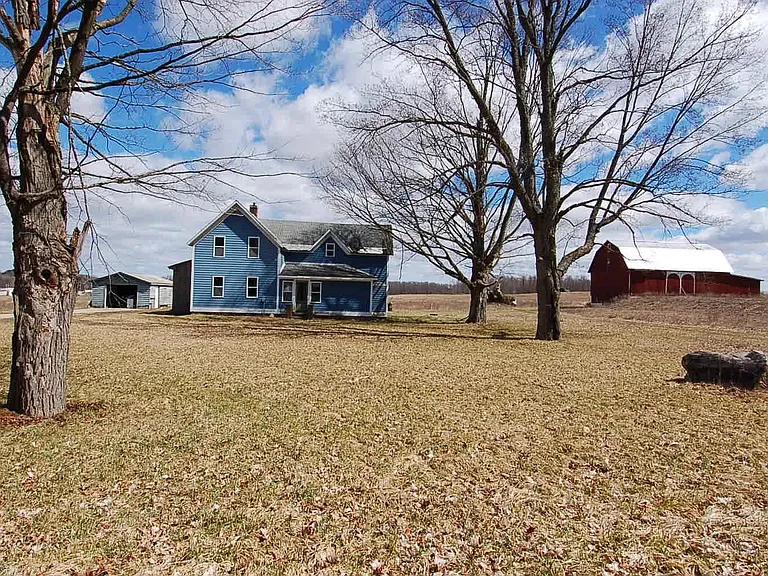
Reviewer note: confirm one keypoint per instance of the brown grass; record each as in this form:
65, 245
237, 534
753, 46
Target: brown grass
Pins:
745, 313
460, 302
6, 303
408, 446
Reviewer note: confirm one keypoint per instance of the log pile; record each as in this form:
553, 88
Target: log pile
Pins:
743, 370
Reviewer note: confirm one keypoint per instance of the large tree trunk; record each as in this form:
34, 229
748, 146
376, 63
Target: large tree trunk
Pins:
45, 266
478, 304
547, 285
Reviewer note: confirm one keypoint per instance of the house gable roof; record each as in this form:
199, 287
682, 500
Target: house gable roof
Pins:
235, 209
681, 256
303, 236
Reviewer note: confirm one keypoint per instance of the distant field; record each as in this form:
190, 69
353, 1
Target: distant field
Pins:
6, 302
445, 302
732, 312
213, 445
744, 313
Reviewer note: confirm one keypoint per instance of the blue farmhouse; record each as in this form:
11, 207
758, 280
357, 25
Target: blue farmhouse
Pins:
245, 264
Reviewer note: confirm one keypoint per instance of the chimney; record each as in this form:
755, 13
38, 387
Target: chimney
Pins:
255, 209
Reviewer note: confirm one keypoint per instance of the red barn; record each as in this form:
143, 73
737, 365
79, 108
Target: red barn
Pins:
664, 268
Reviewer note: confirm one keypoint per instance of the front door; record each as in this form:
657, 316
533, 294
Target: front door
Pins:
302, 295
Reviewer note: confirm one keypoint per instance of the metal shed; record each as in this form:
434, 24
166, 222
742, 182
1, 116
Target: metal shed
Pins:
128, 290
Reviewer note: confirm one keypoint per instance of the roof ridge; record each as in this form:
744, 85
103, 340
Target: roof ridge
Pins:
318, 222
664, 244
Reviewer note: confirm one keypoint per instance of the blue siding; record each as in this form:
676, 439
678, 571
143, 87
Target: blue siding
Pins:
374, 265
344, 297
235, 267
380, 293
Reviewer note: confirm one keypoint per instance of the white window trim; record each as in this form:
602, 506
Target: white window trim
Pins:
224, 247
331, 245
257, 286
282, 291
213, 286
320, 299
258, 247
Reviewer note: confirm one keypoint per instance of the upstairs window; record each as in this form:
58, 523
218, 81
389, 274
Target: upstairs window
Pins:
315, 292
219, 246
252, 287
253, 246
217, 286
287, 290
330, 250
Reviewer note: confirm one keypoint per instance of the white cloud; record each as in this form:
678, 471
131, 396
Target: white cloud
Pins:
147, 234
255, 29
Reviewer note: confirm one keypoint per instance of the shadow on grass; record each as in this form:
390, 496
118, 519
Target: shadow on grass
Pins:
10, 419
235, 325
161, 312
297, 330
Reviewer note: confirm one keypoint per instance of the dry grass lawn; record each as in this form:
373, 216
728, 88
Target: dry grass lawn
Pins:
205, 445
703, 310
6, 302
421, 303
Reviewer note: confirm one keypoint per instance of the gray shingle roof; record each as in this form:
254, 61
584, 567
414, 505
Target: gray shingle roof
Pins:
305, 270
359, 238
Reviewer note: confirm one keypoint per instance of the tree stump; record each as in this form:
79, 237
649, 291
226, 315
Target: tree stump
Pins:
743, 370
495, 294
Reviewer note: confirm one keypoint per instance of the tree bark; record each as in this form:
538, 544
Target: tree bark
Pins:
547, 284
45, 266
478, 304
745, 370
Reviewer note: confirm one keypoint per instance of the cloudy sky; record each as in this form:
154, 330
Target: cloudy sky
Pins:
280, 112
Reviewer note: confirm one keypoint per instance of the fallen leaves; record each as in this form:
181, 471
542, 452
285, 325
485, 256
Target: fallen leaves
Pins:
230, 445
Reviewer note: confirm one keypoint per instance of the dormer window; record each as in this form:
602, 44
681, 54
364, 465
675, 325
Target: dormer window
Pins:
219, 245
330, 250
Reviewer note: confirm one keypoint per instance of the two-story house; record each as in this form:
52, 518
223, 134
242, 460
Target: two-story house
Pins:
245, 264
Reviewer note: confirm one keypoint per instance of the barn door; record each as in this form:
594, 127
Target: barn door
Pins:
673, 284
688, 284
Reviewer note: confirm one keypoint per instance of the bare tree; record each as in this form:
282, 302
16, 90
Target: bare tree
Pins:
618, 133
417, 159
141, 62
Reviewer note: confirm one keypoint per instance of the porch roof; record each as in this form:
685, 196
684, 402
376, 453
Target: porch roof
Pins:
333, 271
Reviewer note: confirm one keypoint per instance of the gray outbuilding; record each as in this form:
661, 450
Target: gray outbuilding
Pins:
124, 290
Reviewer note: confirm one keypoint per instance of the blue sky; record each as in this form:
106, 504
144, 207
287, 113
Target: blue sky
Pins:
143, 234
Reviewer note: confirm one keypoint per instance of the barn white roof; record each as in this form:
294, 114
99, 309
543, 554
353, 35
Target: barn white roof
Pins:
680, 256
